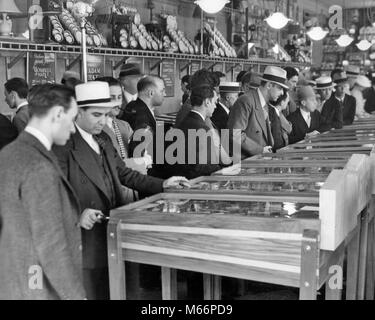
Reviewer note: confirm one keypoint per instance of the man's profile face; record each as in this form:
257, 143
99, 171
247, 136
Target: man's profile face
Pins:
231, 98
292, 82
340, 90
116, 96
66, 124
311, 104
275, 91
93, 119
9, 99
326, 93
158, 93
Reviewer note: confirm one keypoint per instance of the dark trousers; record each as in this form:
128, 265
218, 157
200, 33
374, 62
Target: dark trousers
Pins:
96, 282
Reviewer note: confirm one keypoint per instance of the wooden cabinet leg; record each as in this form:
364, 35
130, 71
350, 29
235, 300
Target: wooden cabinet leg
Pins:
309, 265
363, 255
169, 283
211, 287
353, 264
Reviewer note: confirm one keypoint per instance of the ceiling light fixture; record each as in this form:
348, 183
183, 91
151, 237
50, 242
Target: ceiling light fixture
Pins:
317, 33
277, 20
344, 40
211, 6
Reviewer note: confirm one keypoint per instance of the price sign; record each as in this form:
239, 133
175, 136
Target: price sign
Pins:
42, 68
95, 67
168, 73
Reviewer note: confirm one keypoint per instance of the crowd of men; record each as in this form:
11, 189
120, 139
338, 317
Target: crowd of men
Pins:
73, 152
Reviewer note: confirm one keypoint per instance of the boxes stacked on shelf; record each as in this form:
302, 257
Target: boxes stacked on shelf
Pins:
220, 46
179, 42
66, 29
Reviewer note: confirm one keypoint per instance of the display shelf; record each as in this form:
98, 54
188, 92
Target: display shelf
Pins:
32, 47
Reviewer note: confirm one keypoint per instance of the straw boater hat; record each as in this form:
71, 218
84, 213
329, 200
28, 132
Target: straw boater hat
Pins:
363, 81
94, 94
353, 71
275, 75
324, 83
230, 87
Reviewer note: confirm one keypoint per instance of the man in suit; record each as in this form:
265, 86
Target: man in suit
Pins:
97, 173
151, 92
8, 131
40, 244
202, 77
201, 157
249, 115
16, 91
129, 77
292, 81
229, 92
280, 126
340, 108
306, 120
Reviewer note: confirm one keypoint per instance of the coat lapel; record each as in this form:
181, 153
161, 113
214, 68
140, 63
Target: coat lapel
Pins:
81, 153
259, 114
302, 121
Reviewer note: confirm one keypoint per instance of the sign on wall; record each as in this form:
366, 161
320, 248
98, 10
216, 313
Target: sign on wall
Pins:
95, 67
42, 68
168, 73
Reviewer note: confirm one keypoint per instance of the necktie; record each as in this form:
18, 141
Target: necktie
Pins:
119, 140
308, 120
100, 142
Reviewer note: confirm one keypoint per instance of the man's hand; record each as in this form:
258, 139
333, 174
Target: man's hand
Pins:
312, 134
89, 217
176, 182
267, 149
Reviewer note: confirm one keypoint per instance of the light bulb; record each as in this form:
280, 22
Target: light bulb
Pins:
345, 63
277, 20
211, 6
344, 40
364, 45
317, 33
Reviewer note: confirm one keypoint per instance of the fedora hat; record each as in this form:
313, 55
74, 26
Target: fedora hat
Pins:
130, 69
324, 83
275, 75
94, 94
230, 87
353, 71
340, 77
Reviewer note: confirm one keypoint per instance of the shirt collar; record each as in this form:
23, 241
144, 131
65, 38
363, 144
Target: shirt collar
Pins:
277, 110
40, 136
340, 99
151, 110
130, 97
224, 107
197, 112
22, 105
305, 114
263, 102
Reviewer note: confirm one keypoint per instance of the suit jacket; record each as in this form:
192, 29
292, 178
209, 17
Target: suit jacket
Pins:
183, 112
220, 117
277, 129
369, 95
81, 170
131, 114
300, 128
126, 134
8, 131
21, 118
247, 116
194, 121
40, 213
349, 110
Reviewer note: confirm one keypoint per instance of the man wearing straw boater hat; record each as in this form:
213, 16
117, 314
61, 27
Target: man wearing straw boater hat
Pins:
250, 114
229, 92
97, 173
339, 109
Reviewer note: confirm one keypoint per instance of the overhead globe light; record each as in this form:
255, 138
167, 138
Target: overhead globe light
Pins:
317, 33
211, 6
345, 63
364, 45
277, 20
344, 40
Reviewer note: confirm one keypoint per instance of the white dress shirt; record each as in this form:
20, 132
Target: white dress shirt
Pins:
22, 105
130, 97
89, 139
40, 136
224, 107
306, 116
